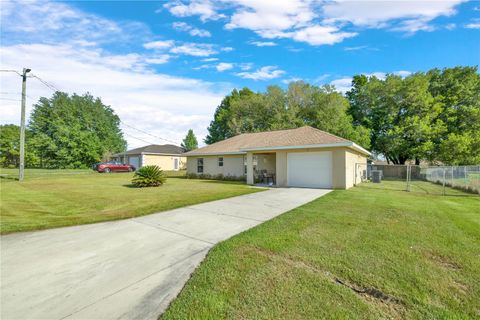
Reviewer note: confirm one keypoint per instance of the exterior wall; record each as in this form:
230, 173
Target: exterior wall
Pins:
352, 157
232, 165
344, 162
163, 161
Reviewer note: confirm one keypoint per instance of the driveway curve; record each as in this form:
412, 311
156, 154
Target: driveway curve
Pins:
127, 269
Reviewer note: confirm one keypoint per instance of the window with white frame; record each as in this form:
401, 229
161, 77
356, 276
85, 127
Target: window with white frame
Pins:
220, 161
200, 165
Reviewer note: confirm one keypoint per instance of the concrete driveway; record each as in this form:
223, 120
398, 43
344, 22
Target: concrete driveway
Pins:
128, 269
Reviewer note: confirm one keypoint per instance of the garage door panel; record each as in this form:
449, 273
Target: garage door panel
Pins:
309, 169
134, 161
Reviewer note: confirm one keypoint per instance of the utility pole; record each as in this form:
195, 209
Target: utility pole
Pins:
22, 125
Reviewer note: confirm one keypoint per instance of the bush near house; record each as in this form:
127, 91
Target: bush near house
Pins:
220, 176
149, 176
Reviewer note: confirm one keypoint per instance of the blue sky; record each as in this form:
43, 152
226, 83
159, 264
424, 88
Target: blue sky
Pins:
165, 66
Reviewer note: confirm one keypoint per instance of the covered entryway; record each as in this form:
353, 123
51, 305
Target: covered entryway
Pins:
309, 169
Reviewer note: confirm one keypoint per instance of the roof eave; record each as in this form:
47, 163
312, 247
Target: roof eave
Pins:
213, 153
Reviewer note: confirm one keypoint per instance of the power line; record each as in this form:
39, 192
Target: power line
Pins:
9, 99
11, 71
50, 86
137, 138
147, 133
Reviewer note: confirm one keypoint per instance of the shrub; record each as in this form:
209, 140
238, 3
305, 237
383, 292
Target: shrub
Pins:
149, 176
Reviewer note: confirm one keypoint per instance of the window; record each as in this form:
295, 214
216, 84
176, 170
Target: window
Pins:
220, 161
200, 165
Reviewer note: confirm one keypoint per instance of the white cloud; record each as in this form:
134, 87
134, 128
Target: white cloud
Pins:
159, 45
343, 84
210, 59
182, 26
360, 48
202, 8
295, 19
294, 79
474, 24
263, 43
227, 49
264, 73
166, 106
195, 49
320, 35
246, 66
185, 48
381, 14
160, 59
54, 22
450, 26
222, 66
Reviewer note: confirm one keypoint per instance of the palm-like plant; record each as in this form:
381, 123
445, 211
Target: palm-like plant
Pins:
149, 176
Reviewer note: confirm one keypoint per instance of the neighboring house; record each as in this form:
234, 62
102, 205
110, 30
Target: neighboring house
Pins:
167, 156
302, 157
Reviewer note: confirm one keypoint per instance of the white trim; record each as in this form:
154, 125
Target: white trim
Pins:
309, 146
212, 154
348, 144
164, 154
359, 148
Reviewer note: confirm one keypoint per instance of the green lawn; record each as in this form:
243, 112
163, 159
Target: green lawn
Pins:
372, 252
55, 198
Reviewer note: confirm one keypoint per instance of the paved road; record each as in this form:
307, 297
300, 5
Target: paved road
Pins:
128, 269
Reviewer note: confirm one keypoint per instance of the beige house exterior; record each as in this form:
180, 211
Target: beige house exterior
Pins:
168, 157
302, 157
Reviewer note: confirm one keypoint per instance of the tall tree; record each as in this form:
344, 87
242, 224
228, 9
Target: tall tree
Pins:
74, 131
422, 116
301, 104
458, 91
219, 128
190, 141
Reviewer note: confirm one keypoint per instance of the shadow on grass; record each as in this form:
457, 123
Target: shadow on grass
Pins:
8, 177
422, 190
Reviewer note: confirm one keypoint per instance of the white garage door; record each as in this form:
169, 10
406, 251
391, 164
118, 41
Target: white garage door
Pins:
309, 169
134, 161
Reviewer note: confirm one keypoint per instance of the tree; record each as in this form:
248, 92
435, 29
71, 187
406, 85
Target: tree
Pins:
219, 129
190, 142
74, 131
10, 147
301, 104
421, 116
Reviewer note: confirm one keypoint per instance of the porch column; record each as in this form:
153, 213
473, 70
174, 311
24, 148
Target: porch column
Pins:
250, 168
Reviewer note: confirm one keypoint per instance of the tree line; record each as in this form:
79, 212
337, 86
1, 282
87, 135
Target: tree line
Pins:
433, 116
64, 131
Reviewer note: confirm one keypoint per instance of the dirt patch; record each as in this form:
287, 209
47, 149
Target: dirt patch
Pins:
441, 260
393, 305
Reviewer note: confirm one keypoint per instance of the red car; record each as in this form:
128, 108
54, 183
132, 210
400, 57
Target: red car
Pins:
112, 166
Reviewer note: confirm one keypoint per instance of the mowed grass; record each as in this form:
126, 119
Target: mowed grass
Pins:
55, 198
371, 252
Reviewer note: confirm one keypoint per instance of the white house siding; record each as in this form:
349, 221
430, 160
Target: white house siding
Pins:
232, 165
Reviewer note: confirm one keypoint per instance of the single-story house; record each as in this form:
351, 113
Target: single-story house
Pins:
167, 156
302, 157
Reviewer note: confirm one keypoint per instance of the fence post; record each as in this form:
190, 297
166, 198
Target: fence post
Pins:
444, 170
408, 178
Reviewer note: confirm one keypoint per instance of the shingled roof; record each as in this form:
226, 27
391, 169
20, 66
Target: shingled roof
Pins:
154, 148
303, 136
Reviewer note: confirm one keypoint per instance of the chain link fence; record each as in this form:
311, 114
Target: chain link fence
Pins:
445, 180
